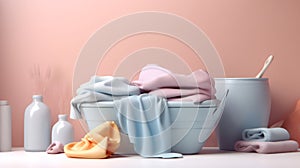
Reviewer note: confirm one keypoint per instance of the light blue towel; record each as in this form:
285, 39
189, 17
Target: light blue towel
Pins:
265, 134
101, 88
146, 120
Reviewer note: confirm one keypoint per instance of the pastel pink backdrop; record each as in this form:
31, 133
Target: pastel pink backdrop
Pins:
52, 33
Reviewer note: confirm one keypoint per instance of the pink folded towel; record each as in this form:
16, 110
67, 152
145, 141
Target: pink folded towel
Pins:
162, 82
153, 77
192, 98
266, 147
175, 93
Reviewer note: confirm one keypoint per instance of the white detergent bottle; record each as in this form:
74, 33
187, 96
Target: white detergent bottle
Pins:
37, 126
5, 126
62, 130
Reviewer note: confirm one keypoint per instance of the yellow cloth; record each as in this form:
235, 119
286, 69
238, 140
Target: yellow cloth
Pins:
101, 142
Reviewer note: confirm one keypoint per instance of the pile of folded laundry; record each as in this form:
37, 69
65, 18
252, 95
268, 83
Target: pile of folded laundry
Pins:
196, 87
153, 80
266, 140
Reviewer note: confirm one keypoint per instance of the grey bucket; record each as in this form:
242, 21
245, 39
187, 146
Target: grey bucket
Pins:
247, 106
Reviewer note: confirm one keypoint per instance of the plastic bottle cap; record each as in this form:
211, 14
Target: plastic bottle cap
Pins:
37, 97
3, 102
63, 116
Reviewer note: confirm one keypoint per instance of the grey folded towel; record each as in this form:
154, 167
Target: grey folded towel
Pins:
265, 134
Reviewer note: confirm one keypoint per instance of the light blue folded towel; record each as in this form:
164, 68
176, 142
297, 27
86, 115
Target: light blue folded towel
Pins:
265, 134
101, 88
146, 120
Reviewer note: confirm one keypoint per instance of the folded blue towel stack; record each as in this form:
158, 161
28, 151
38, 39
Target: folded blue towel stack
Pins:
265, 134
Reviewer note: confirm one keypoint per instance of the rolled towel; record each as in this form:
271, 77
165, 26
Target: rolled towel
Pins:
266, 147
265, 134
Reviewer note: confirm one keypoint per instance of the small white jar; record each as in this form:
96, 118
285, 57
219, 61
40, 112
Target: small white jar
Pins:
62, 130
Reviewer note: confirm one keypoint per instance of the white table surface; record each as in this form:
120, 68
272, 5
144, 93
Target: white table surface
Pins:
207, 158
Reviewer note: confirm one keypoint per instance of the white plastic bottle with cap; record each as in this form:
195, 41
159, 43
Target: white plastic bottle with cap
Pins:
5, 126
37, 126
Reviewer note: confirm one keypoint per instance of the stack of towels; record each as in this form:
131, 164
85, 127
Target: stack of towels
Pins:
196, 87
266, 140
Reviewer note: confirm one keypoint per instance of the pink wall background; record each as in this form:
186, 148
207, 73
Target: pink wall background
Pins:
52, 33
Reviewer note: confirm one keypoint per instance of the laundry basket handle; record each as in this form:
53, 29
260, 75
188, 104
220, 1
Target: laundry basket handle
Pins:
212, 120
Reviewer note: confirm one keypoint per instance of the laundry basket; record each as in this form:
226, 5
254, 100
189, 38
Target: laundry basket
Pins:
192, 123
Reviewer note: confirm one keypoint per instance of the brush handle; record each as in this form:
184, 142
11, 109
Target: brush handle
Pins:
266, 65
